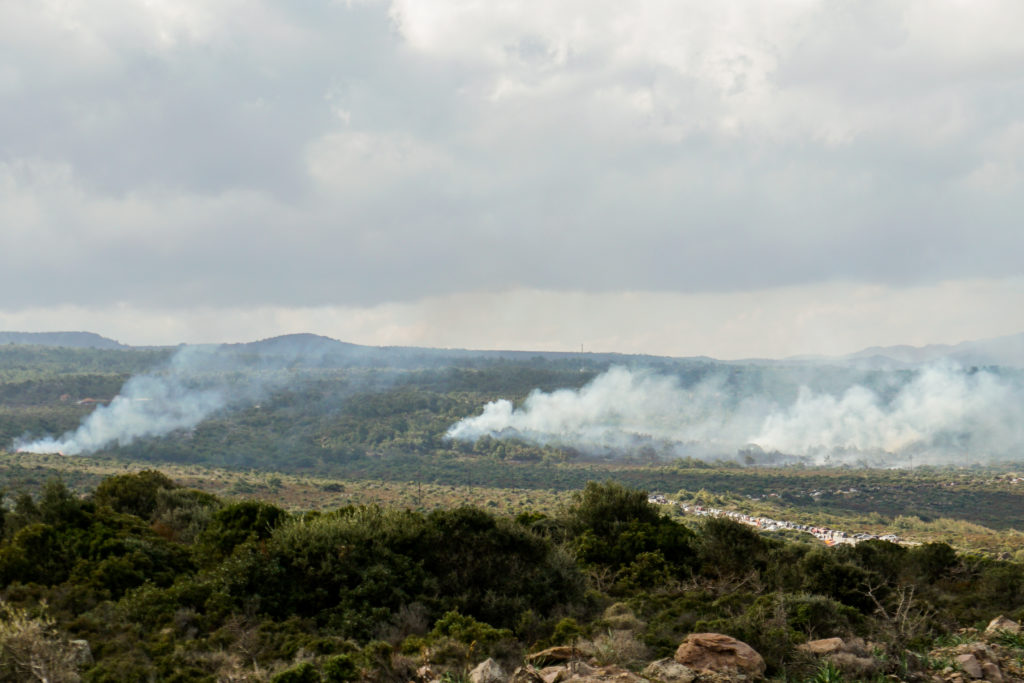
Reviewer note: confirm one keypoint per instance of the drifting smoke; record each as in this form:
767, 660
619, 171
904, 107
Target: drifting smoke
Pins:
195, 383
940, 414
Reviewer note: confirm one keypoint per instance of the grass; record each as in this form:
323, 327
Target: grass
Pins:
312, 492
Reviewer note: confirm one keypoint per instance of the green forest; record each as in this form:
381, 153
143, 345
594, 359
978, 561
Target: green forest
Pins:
384, 417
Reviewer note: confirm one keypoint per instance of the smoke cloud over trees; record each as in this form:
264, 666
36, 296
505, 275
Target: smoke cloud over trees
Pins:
938, 413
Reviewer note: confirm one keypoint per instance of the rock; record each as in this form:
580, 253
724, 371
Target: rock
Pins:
978, 649
849, 663
721, 653
552, 655
526, 674
488, 671
847, 656
1001, 623
991, 672
606, 674
669, 671
858, 647
970, 665
578, 672
581, 668
824, 646
554, 674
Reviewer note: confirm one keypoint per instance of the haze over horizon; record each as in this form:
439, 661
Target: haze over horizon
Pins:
673, 178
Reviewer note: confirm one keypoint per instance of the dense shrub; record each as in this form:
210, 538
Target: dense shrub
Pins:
354, 568
133, 494
613, 526
172, 584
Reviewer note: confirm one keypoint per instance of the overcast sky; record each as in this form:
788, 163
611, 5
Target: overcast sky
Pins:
723, 178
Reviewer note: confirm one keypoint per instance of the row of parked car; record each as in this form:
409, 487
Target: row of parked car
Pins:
824, 534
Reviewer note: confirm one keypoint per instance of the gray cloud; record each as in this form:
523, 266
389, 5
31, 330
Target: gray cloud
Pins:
357, 153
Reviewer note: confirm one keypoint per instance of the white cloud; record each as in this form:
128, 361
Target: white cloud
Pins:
343, 155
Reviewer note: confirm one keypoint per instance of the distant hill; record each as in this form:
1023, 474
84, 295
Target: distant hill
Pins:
1006, 351
299, 344
81, 340
315, 349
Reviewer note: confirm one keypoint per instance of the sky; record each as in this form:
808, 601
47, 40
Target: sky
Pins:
724, 178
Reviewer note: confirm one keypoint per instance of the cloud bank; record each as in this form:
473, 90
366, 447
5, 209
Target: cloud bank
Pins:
363, 154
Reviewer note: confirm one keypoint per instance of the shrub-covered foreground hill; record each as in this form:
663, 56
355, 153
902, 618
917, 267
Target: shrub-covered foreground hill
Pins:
145, 580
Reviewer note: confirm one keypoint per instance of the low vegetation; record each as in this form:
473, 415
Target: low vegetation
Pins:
146, 579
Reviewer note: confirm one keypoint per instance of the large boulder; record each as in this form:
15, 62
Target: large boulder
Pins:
719, 653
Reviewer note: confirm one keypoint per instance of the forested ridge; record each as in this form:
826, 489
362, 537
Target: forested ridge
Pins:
371, 415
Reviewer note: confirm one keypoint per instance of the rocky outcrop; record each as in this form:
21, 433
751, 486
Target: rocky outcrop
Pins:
669, 671
849, 656
552, 655
715, 658
706, 658
526, 674
575, 672
720, 653
985, 657
994, 656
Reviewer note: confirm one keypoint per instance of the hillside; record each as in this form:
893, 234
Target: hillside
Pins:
145, 579
74, 340
1006, 351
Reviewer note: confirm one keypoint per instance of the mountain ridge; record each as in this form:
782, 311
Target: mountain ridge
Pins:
68, 339
1007, 350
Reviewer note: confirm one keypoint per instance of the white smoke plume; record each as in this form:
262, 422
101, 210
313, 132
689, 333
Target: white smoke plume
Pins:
191, 386
941, 413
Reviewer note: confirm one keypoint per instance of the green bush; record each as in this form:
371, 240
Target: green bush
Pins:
133, 494
355, 568
468, 630
340, 668
303, 673
236, 523
613, 525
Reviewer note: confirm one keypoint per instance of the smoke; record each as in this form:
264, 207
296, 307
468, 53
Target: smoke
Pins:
194, 384
940, 413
